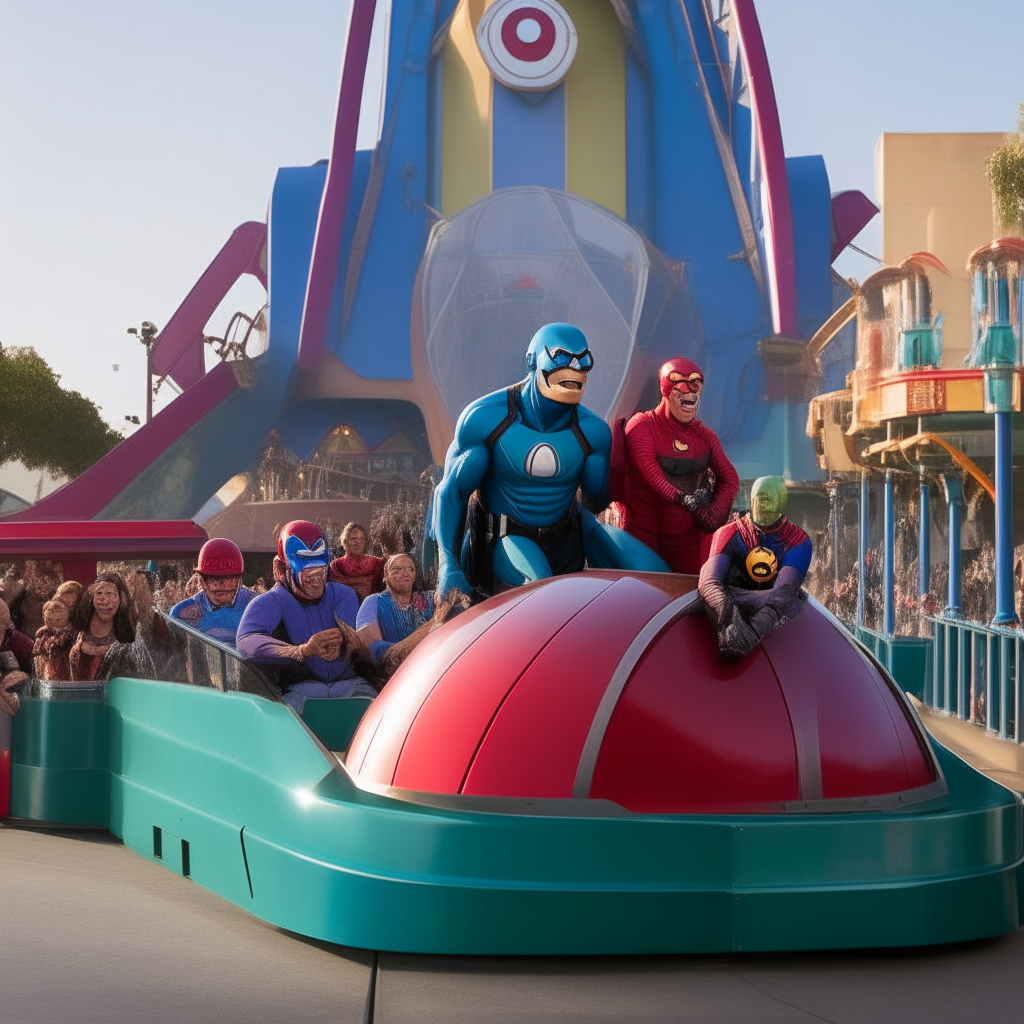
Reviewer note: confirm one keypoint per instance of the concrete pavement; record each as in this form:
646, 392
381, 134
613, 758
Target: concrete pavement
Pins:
89, 932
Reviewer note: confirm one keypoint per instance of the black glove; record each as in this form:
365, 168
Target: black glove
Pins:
737, 639
699, 499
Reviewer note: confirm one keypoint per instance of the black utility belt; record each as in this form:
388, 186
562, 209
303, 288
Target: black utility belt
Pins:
499, 526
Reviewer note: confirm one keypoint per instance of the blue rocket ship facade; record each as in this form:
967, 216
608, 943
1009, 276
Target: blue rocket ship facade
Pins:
616, 164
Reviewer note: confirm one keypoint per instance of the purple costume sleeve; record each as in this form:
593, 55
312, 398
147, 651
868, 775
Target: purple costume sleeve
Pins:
261, 617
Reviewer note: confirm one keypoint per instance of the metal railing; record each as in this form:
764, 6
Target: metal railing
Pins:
976, 675
908, 659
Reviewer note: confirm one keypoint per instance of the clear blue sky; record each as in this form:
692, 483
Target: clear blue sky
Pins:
136, 135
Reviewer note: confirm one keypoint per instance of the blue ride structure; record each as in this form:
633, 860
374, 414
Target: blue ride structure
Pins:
617, 165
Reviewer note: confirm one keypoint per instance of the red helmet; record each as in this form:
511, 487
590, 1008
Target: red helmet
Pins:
220, 557
684, 371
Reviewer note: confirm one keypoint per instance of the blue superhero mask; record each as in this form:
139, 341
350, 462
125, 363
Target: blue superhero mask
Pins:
559, 347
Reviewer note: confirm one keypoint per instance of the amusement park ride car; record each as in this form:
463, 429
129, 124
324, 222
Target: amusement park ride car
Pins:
568, 767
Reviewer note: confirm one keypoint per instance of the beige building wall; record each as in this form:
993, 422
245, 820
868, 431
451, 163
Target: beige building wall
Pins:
934, 196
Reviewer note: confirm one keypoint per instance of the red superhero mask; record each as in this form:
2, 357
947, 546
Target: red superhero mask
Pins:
680, 374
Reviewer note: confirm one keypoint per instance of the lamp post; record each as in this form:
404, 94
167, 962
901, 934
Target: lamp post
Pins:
146, 332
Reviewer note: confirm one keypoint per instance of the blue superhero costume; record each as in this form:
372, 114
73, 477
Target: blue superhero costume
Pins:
505, 511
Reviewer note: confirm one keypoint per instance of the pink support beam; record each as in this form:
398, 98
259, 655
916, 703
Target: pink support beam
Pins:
127, 538
86, 495
179, 346
79, 545
323, 269
778, 211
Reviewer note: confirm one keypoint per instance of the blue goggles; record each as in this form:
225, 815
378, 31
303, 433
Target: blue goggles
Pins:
562, 359
300, 557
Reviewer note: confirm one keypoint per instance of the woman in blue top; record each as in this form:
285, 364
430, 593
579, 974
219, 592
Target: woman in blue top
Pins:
390, 624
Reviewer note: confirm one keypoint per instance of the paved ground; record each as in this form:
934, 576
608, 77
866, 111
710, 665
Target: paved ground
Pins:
91, 933
999, 759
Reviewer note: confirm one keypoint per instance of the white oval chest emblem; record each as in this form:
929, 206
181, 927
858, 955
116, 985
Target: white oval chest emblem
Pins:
542, 460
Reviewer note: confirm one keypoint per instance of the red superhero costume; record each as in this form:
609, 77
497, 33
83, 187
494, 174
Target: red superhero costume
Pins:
679, 484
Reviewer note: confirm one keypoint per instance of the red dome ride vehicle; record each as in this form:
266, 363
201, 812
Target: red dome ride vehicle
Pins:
567, 768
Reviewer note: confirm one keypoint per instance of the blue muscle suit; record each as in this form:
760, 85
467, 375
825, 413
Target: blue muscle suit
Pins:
506, 511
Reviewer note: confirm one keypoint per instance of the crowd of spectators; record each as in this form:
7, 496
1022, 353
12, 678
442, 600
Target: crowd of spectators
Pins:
326, 627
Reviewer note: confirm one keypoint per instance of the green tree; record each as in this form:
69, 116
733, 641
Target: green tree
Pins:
43, 425
1005, 172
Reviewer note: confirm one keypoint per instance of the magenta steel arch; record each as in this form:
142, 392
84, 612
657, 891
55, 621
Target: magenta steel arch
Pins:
779, 249
178, 351
323, 268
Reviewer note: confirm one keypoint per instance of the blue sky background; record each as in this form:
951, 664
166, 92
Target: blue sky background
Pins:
135, 135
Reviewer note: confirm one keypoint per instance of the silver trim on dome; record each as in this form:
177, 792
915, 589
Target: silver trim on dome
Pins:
617, 683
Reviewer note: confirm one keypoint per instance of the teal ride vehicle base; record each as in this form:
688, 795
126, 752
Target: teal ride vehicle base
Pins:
268, 810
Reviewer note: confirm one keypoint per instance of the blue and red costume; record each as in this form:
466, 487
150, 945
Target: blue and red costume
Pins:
750, 583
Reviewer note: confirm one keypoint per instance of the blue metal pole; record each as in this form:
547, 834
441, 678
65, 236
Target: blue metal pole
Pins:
954, 489
862, 549
889, 559
924, 548
1005, 612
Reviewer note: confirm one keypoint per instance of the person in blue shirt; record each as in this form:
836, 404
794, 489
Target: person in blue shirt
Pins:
217, 609
390, 624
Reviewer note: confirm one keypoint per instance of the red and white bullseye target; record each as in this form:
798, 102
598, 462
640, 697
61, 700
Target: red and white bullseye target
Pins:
527, 44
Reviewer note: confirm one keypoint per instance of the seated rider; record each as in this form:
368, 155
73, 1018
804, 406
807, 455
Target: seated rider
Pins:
15, 661
750, 583
525, 451
358, 569
304, 623
393, 622
50, 650
102, 641
217, 608
15, 647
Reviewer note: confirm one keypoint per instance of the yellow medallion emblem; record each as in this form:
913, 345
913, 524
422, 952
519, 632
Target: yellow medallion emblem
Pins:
762, 565
680, 446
